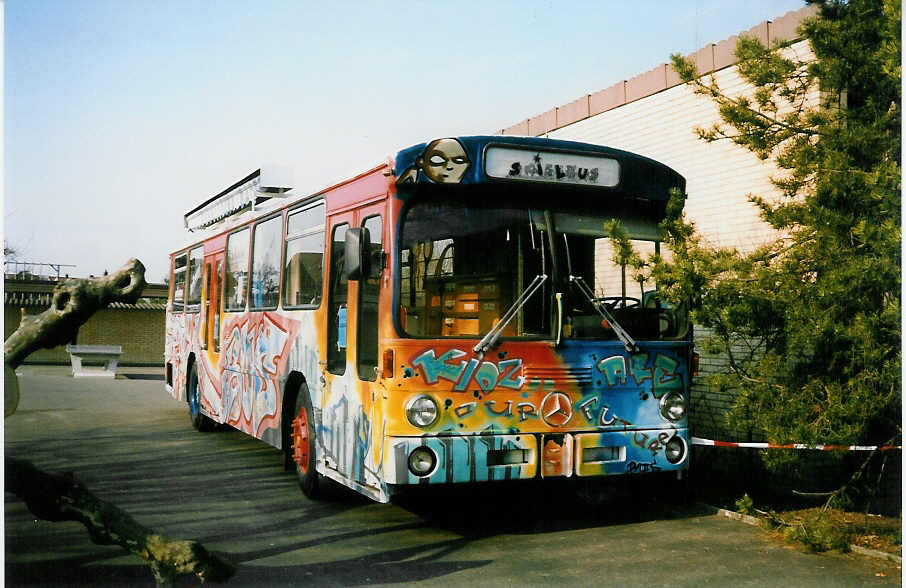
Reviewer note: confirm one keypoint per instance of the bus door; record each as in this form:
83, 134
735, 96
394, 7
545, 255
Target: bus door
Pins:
211, 313
352, 351
368, 432
336, 397
213, 266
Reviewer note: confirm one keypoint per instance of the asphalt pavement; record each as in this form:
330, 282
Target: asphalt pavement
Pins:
132, 445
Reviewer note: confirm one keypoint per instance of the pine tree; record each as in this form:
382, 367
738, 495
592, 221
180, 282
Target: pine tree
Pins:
810, 322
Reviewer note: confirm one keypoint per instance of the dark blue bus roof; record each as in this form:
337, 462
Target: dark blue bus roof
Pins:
535, 161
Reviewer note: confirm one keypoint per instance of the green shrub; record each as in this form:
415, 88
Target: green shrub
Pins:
745, 505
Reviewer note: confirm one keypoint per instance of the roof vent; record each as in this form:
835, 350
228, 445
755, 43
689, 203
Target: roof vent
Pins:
271, 181
276, 179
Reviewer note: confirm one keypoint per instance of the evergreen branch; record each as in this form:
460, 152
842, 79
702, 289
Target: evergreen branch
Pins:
740, 103
743, 373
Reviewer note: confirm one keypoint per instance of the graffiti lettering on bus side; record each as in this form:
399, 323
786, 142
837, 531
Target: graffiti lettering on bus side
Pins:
254, 355
661, 370
488, 375
636, 467
523, 409
654, 445
605, 417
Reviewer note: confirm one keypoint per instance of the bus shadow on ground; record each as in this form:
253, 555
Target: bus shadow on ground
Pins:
154, 377
229, 492
535, 507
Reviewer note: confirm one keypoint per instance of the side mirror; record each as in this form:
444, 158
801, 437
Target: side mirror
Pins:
358, 260
362, 259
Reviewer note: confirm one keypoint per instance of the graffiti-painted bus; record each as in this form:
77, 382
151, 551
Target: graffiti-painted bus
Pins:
454, 315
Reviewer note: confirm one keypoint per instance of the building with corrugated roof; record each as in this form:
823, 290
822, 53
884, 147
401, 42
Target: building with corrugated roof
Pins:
138, 328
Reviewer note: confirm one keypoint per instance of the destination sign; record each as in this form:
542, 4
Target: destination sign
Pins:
551, 167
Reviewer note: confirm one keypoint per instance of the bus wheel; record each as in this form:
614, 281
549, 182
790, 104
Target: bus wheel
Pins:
199, 421
303, 447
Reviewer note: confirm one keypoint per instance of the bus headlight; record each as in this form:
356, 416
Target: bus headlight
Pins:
673, 406
675, 450
422, 411
422, 461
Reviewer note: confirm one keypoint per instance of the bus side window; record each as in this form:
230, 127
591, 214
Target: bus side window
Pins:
179, 281
216, 303
237, 273
266, 263
205, 309
303, 273
337, 298
193, 294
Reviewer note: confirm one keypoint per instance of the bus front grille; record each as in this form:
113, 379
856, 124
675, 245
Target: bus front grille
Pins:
564, 375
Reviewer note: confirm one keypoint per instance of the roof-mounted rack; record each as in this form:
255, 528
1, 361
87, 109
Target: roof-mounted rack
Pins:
257, 187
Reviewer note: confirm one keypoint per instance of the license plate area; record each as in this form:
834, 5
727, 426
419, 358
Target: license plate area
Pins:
600, 454
508, 457
603, 454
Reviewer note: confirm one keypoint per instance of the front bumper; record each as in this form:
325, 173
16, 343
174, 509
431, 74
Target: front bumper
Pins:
482, 458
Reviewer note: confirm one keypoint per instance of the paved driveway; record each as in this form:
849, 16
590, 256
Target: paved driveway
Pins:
132, 445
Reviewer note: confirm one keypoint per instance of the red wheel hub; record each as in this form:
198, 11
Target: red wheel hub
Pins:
301, 440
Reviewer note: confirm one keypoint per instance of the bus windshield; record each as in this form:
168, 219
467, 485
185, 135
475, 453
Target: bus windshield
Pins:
463, 265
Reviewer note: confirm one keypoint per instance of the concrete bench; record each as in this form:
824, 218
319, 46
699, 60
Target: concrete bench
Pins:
109, 355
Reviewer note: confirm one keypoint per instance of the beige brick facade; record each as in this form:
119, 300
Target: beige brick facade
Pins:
719, 175
652, 114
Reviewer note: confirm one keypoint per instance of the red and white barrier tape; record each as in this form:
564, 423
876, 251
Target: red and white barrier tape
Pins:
713, 443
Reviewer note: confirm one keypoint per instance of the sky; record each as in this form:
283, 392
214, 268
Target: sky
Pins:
122, 115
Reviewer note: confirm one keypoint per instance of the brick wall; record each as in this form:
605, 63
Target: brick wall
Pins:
138, 328
140, 332
709, 404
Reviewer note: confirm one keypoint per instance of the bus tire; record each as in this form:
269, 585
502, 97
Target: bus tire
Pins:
199, 421
302, 446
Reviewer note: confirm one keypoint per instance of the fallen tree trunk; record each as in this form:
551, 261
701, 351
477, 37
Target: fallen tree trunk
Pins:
56, 497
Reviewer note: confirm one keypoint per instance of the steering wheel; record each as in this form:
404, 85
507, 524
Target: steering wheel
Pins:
613, 301
666, 320
439, 268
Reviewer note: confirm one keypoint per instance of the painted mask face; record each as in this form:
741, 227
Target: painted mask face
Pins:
445, 161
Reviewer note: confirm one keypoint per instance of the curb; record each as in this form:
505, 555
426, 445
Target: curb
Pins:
875, 553
750, 520
747, 519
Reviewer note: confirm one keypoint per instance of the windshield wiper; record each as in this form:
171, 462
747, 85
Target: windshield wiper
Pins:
628, 342
488, 340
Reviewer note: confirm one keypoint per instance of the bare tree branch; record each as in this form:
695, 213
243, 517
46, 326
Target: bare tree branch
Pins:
55, 497
74, 301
